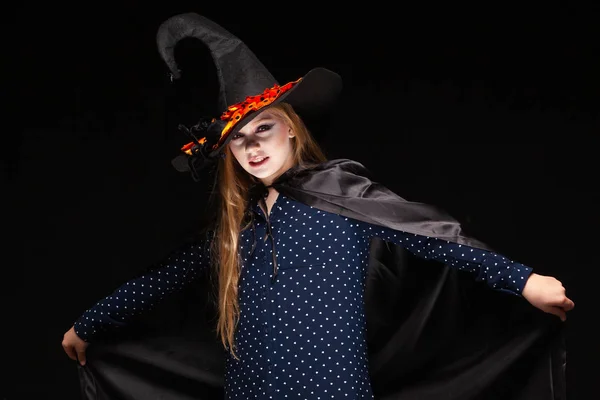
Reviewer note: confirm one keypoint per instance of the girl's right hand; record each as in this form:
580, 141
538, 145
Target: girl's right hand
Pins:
74, 346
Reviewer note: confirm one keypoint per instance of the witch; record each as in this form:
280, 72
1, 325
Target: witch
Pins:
289, 248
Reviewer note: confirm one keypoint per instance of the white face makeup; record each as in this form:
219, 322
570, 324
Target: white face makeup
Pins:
263, 147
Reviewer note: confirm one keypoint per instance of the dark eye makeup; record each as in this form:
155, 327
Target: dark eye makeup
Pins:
259, 128
264, 127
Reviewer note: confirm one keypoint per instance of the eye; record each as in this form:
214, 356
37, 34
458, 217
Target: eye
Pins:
264, 127
237, 136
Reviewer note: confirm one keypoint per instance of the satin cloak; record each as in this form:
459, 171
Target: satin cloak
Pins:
433, 333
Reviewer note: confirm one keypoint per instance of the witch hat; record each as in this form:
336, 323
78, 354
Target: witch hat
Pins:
245, 86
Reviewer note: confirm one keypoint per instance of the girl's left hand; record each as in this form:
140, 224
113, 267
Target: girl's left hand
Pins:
548, 294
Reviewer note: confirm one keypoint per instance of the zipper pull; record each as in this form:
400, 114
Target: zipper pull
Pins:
270, 234
275, 267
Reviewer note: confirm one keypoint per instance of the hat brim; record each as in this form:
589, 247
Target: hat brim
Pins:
315, 95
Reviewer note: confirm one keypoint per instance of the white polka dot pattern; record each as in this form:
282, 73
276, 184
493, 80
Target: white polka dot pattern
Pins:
497, 271
143, 292
301, 335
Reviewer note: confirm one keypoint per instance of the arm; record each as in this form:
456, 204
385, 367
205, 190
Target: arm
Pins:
142, 293
497, 271
544, 292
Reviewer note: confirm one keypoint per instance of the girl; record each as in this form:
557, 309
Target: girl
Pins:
291, 257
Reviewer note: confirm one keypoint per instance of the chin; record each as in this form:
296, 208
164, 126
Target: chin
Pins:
265, 173
261, 174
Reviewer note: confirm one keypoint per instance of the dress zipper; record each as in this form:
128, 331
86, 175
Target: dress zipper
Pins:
270, 233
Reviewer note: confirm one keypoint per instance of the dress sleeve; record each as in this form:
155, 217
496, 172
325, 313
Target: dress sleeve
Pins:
497, 271
142, 293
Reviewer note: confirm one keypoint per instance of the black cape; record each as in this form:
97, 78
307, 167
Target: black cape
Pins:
433, 332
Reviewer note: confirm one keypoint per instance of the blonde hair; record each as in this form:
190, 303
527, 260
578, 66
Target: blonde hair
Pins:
233, 188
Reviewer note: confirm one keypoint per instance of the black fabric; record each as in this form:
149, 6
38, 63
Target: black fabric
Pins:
344, 187
241, 74
433, 332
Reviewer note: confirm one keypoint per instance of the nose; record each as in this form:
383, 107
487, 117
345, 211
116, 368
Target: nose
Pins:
252, 144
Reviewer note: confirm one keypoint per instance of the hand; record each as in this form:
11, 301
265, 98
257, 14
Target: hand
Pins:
547, 294
74, 346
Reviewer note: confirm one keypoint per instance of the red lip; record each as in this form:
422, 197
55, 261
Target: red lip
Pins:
258, 164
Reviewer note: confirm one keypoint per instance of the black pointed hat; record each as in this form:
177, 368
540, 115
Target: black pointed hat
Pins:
245, 86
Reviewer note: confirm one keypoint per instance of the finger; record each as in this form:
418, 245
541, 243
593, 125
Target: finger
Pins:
568, 304
559, 312
564, 303
70, 352
81, 357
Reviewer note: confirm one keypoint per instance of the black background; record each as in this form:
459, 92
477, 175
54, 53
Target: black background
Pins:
490, 112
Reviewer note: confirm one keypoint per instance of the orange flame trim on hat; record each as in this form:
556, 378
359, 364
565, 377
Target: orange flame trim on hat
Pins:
187, 149
238, 111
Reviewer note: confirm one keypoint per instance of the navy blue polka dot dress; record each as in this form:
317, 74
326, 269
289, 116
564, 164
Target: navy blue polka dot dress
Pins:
301, 333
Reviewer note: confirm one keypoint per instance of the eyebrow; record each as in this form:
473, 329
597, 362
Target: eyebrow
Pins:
258, 119
262, 118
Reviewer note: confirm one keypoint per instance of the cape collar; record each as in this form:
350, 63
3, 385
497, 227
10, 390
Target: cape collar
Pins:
259, 191
344, 187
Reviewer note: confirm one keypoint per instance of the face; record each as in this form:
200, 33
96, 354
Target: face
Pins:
264, 147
